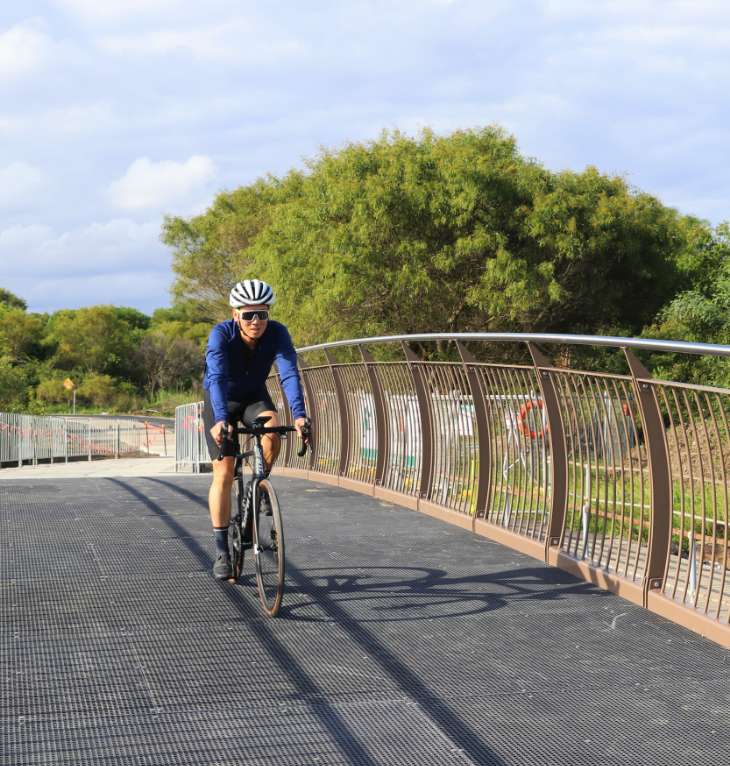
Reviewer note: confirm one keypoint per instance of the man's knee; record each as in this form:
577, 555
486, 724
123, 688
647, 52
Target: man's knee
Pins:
223, 472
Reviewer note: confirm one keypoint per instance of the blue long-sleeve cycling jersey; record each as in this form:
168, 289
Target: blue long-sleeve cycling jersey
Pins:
233, 371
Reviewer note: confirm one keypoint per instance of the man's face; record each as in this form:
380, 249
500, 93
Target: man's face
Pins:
249, 321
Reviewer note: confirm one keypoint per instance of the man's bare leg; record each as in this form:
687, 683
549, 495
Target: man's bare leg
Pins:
270, 443
219, 495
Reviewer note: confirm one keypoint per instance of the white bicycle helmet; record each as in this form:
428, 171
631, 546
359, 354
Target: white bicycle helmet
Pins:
251, 292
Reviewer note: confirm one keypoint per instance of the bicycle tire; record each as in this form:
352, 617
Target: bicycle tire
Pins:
269, 551
235, 534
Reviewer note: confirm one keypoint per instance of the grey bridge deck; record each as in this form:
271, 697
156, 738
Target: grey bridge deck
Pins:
402, 641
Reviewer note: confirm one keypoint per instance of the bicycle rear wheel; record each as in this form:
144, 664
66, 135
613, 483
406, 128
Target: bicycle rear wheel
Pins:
268, 538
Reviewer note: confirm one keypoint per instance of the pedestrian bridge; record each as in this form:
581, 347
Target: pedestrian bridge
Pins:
561, 446
402, 640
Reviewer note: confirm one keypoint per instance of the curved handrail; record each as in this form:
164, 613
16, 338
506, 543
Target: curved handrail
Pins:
647, 344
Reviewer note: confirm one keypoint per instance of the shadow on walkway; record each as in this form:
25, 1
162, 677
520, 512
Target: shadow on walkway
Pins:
326, 588
450, 724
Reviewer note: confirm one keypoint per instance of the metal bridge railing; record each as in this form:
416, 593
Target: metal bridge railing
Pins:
31, 439
619, 478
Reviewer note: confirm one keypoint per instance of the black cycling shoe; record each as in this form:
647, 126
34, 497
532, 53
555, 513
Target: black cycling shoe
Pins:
222, 568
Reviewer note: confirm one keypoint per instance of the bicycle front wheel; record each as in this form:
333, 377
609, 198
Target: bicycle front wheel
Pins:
268, 539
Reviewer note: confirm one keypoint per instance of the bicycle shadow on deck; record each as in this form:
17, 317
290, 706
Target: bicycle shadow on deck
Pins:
408, 594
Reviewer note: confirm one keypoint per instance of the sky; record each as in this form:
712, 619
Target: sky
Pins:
115, 113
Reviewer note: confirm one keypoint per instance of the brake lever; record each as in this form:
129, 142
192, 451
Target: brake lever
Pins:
306, 436
226, 437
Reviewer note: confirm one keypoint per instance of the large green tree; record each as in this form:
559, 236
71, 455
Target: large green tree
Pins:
15, 382
211, 250
437, 234
20, 334
100, 339
700, 313
11, 300
168, 362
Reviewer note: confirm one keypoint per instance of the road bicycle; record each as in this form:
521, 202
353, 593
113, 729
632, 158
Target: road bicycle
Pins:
257, 522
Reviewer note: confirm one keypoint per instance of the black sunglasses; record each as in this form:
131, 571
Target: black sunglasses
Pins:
249, 316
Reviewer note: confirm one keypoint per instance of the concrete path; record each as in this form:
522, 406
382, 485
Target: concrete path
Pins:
84, 469
402, 641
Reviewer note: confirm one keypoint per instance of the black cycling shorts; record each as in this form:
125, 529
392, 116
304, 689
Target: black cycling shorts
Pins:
246, 411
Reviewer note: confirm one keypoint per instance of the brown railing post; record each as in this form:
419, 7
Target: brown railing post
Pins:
660, 529
480, 413
287, 443
424, 411
312, 412
381, 416
559, 458
288, 420
344, 419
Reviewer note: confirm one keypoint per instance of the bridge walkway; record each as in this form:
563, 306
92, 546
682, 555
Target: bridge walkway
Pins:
402, 641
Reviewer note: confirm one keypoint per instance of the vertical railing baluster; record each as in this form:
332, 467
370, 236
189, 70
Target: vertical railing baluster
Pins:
480, 414
381, 418
660, 527
425, 415
559, 463
287, 420
311, 412
344, 419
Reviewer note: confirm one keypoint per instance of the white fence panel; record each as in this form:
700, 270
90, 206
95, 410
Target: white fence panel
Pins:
34, 438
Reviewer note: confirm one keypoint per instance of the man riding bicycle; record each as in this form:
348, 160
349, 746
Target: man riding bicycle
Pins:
238, 359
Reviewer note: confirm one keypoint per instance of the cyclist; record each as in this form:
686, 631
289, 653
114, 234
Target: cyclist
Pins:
238, 359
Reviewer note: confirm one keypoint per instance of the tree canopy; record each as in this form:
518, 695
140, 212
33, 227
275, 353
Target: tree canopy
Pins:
700, 313
115, 356
10, 300
429, 234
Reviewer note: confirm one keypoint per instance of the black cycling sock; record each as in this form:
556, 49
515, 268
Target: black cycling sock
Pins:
221, 540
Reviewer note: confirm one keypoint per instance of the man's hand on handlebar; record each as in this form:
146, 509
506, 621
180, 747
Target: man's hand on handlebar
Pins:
304, 429
220, 431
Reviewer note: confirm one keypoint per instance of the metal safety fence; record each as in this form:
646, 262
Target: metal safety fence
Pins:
33, 439
191, 452
617, 477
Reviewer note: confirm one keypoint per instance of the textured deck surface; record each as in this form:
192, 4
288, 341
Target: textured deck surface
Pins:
402, 641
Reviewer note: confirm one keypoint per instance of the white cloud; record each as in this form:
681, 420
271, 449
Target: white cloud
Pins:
19, 184
159, 185
16, 240
9, 125
81, 118
145, 290
24, 49
108, 11
99, 248
239, 40
69, 120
